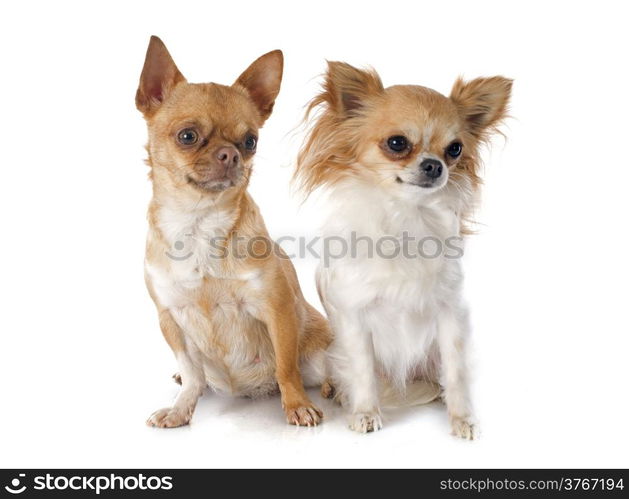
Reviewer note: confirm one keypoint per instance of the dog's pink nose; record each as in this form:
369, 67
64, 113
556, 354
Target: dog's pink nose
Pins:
228, 156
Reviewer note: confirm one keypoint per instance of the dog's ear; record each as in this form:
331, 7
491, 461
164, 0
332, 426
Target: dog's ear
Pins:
346, 88
262, 81
159, 77
482, 103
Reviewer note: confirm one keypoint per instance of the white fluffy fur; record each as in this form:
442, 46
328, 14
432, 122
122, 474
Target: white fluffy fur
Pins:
396, 320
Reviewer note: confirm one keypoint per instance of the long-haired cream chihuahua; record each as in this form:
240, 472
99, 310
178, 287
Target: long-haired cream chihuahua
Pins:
401, 168
228, 300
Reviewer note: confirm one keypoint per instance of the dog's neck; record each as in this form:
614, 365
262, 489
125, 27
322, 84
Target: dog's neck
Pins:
178, 206
370, 209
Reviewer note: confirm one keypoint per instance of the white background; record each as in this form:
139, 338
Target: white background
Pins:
82, 361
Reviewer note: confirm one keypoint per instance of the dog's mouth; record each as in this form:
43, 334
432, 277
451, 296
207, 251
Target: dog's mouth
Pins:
424, 184
211, 185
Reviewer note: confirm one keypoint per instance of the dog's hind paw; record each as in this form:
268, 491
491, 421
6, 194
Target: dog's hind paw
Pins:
327, 390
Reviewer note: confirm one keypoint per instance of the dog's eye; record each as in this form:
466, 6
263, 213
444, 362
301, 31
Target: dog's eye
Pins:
187, 137
398, 143
250, 142
454, 149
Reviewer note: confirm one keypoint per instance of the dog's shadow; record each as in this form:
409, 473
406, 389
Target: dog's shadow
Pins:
265, 415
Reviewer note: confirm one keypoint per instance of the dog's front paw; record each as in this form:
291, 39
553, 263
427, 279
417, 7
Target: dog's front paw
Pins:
170, 417
365, 422
303, 415
463, 428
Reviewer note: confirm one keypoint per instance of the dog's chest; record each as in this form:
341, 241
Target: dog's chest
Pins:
195, 240
402, 258
188, 254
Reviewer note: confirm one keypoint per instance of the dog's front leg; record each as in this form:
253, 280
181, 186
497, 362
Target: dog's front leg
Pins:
283, 327
453, 329
353, 364
192, 379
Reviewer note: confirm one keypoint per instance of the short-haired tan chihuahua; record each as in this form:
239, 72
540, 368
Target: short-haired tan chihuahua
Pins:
228, 299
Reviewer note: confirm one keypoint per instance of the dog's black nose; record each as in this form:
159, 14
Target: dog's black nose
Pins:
433, 168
